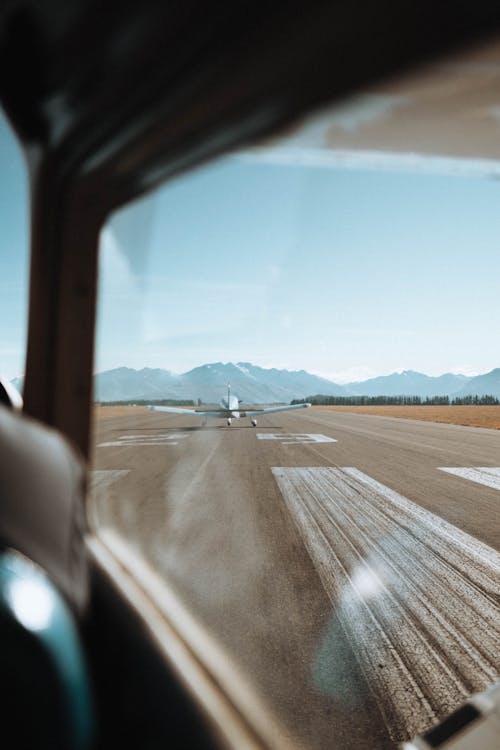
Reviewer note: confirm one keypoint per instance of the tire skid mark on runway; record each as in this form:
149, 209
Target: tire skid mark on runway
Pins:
476, 560
416, 597
390, 561
487, 475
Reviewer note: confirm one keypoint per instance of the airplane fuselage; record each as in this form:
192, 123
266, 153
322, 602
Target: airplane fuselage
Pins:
232, 405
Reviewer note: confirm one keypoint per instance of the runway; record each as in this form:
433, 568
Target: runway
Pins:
347, 564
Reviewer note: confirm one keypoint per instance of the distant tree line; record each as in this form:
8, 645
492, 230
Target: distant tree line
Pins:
476, 400
144, 402
320, 400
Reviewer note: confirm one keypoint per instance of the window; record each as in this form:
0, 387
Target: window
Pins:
340, 558
13, 257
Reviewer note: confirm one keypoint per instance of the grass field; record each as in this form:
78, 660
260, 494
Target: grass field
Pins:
474, 416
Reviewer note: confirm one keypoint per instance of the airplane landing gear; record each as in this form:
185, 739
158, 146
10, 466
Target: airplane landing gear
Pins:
229, 420
254, 422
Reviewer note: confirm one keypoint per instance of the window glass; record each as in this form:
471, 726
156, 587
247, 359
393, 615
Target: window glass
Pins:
14, 257
341, 556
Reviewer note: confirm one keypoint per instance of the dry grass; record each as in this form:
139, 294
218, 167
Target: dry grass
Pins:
105, 412
475, 416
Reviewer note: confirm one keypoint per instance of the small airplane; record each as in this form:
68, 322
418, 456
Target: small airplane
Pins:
230, 410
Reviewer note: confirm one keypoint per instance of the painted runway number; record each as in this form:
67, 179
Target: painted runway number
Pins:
289, 438
162, 438
416, 596
486, 475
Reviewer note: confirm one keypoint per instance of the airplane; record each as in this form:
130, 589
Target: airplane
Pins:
230, 410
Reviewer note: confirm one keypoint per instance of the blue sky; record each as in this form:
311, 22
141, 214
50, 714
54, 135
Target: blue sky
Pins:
330, 266
13, 254
346, 272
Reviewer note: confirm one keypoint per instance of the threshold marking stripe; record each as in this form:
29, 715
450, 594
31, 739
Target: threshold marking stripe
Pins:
487, 475
290, 438
101, 479
416, 597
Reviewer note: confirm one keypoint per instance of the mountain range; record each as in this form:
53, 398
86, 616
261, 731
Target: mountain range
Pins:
252, 384
258, 385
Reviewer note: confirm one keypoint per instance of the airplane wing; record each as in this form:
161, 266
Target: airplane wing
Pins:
197, 412
273, 409
224, 413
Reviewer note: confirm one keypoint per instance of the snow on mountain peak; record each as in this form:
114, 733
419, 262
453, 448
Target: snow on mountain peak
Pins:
244, 370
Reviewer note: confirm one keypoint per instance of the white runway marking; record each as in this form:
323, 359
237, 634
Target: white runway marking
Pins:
162, 438
101, 479
487, 475
416, 597
290, 438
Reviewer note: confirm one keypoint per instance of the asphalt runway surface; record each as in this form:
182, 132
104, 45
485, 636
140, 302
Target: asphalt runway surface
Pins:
348, 564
